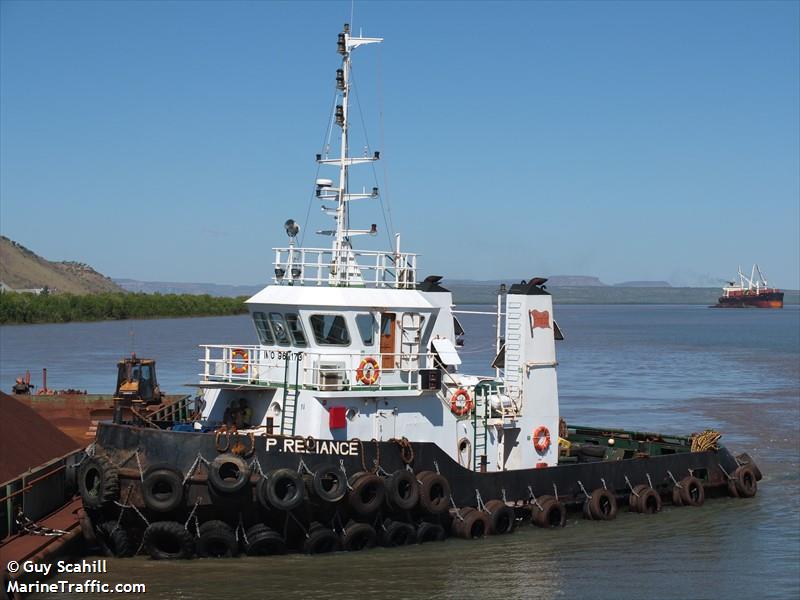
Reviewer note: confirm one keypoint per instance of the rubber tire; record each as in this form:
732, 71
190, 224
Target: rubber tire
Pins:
430, 532
320, 483
115, 541
284, 489
593, 450
552, 514
502, 517
648, 502
434, 493
179, 542
367, 494
217, 540
744, 459
220, 470
691, 491
321, 540
402, 490
475, 524
602, 505
98, 482
633, 499
359, 536
746, 481
159, 476
397, 533
263, 541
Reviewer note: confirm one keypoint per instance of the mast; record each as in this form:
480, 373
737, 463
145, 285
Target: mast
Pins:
346, 43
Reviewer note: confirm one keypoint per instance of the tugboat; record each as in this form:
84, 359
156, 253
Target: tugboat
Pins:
350, 423
753, 291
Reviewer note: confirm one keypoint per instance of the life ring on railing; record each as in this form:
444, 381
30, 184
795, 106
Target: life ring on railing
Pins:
368, 371
541, 439
239, 354
461, 402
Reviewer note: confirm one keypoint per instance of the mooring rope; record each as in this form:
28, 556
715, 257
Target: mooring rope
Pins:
708, 440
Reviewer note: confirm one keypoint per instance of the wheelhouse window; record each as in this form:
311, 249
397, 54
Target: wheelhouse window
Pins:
330, 330
296, 329
279, 328
366, 328
262, 329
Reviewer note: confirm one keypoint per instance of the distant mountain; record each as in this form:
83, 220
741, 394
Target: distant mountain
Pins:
574, 281
173, 287
23, 269
644, 284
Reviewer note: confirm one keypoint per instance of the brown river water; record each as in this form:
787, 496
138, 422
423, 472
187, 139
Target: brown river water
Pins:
675, 369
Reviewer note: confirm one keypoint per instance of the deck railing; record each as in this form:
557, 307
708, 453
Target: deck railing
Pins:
321, 371
317, 266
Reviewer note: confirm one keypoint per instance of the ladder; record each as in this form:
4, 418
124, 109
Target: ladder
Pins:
480, 430
410, 340
290, 394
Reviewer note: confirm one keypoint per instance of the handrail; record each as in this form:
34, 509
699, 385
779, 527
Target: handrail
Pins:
176, 406
259, 365
324, 266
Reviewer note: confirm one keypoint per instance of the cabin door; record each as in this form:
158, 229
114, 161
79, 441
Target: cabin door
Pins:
383, 428
388, 340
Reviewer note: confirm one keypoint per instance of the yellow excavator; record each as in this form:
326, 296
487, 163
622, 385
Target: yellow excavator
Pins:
137, 395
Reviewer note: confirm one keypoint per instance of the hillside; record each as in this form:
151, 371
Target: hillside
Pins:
21, 268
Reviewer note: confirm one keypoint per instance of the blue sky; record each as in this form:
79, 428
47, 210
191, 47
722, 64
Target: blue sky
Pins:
630, 140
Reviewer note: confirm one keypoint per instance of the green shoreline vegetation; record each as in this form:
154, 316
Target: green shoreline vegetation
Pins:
22, 308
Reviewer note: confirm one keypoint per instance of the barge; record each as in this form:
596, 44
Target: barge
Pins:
350, 423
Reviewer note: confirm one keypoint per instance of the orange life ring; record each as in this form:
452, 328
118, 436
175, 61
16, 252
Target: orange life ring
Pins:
462, 410
239, 353
541, 439
368, 371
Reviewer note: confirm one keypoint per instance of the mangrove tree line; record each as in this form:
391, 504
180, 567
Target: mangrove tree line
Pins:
62, 308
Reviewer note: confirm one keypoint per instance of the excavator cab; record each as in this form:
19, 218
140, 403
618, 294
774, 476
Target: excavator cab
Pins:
136, 382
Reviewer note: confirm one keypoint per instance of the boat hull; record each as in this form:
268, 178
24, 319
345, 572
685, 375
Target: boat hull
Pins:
770, 300
568, 481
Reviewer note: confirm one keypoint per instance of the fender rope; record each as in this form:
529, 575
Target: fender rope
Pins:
377, 460
671, 476
628, 481
122, 512
583, 489
605, 487
260, 471
535, 501
649, 481
139, 464
458, 512
194, 466
136, 510
346, 478
302, 465
481, 506
555, 491
189, 518
728, 475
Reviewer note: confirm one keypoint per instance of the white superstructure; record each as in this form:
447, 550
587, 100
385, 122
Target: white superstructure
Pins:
351, 344
755, 284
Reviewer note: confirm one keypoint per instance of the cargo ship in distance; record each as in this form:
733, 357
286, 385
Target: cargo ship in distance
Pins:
753, 291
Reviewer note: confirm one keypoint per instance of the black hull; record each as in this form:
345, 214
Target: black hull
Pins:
767, 300
181, 450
